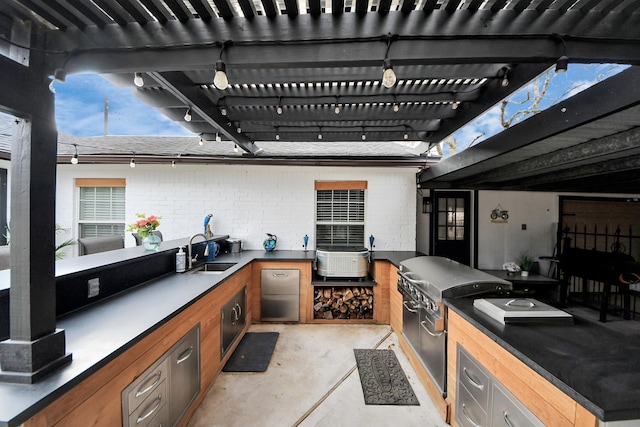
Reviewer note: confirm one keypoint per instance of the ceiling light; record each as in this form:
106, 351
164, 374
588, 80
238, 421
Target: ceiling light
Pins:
405, 135
74, 158
396, 107
455, 105
388, 75
218, 138
562, 64
505, 78
363, 136
319, 135
279, 108
138, 80
337, 109
223, 111
239, 129
220, 80
201, 141
235, 148
173, 164
132, 163
277, 136
187, 115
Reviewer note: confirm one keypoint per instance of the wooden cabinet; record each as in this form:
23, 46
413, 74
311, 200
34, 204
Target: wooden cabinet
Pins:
232, 320
97, 401
481, 400
163, 393
516, 382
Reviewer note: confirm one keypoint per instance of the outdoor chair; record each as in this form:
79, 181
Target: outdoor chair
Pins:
93, 245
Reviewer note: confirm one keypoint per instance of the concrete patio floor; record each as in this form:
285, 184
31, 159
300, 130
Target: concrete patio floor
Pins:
312, 380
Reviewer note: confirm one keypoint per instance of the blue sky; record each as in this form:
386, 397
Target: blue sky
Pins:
80, 106
80, 110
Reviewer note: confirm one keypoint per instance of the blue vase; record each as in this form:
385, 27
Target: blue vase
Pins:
151, 242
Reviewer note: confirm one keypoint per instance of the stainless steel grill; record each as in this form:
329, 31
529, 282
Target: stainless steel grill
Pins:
424, 282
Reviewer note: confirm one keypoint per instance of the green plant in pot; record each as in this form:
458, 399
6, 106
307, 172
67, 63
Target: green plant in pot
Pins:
526, 263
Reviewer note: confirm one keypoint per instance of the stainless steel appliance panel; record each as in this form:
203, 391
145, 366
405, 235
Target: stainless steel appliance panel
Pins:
468, 412
433, 350
410, 320
506, 410
280, 295
184, 375
473, 377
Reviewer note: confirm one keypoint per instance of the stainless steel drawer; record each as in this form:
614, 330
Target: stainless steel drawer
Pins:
280, 282
474, 377
145, 385
469, 413
507, 411
150, 408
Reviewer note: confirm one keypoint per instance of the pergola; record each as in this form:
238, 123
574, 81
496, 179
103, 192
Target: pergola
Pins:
302, 71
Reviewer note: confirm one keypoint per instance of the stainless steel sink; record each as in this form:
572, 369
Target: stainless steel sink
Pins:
213, 267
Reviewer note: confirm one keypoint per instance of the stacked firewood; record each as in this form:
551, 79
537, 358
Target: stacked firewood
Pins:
352, 302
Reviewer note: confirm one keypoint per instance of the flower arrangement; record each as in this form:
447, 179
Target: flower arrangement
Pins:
144, 225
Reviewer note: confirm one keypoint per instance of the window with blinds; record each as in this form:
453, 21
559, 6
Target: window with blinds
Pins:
101, 211
340, 217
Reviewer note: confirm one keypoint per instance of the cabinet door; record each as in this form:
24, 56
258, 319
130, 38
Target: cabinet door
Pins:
227, 326
184, 375
241, 310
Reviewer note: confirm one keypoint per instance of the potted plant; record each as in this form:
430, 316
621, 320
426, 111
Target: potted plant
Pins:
526, 264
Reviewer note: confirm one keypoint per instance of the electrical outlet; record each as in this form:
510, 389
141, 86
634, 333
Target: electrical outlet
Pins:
94, 287
524, 226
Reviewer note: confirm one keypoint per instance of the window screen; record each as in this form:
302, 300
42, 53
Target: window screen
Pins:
101, 211
339, 217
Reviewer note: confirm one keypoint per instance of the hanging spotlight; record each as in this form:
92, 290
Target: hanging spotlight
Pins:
220, 80
320, 133
337, 109
239, 129
277, 134
132, 163
218, 138
201, 142
388, 75
173, 164
455, 105
74, 158
505, 78
223, 111
138, 80
562, 64
364, 135
405, 136
187, 115
235, 148
396, 107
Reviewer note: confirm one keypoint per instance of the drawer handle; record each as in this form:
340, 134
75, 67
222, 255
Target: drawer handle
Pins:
409, 309
185, 355
506, 419
239, 310
473, 382
158, 401
152, 382
280, 274
464, 412
428, 331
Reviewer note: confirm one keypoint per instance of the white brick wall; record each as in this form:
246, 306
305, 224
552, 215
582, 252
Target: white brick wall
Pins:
249, 201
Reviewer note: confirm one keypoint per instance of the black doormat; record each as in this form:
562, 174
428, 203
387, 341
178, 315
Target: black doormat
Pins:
253, 352
382, 378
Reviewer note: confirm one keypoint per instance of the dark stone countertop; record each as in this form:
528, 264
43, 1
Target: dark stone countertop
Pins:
95, 336
596, 364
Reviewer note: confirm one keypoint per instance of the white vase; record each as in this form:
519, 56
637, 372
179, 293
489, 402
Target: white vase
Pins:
524, 273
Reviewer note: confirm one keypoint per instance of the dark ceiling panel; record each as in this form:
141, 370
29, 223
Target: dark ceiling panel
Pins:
158, 10
134, 9
226, 9
203, 9
270, 8
115, 11
91, 12
179, 9
292, 8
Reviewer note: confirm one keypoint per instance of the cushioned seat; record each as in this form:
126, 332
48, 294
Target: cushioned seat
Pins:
139, 239
93, 245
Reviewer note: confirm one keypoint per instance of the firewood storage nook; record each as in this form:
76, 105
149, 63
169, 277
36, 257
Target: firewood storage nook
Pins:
342, 302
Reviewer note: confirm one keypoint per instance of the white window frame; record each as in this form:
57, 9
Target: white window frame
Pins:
346, 220
115, 222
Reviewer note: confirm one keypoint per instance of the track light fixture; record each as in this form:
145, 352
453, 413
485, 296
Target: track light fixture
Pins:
187, 115
388, 75
220, 80
562, 64
138, 80
505, 77
74, 158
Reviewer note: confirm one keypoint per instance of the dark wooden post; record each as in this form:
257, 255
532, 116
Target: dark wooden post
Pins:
35, 347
